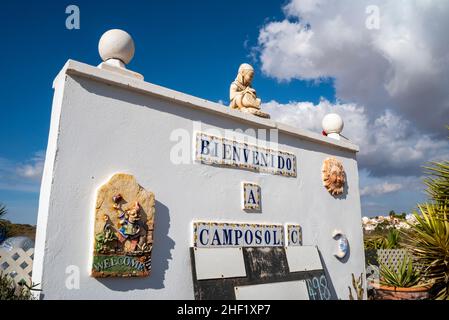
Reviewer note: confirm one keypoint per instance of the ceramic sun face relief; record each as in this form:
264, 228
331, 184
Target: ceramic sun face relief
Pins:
334, 176
124, 219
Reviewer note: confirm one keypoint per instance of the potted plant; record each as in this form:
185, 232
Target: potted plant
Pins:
401, 283
429, 239
429, 243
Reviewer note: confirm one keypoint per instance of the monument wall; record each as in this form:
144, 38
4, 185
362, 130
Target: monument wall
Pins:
104, 123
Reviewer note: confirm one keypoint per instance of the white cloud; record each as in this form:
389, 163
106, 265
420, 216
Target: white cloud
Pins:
389, 145
22, 176
403, 66
380, 189
395, 78
398, 193
33, 168
390, 85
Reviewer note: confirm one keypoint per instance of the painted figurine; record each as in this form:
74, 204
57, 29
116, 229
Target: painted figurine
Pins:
129, 222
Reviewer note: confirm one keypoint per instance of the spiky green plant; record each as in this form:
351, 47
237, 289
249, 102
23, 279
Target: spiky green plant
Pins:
405, 276
438, 182
429, 239
429, 244
374, 242
392, 239
389, 241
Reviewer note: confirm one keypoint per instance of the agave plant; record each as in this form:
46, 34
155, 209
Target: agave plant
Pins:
405, 276
429, 243
389, 241
392, 239
438, 182
374, 243
429, 239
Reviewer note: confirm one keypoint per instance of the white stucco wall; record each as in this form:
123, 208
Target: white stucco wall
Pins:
104, 124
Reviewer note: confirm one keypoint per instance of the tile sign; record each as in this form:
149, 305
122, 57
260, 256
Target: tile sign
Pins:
294, 235
215, 234
213, 150
252, 196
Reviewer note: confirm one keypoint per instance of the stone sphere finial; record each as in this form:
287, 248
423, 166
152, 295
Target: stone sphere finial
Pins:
116, 44
333, 125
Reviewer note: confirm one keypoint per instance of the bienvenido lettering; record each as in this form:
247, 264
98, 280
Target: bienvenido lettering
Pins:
231, 235
110, 262
254, 157
215, 150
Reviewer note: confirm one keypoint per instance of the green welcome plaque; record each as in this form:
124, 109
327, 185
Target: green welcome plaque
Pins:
124, 220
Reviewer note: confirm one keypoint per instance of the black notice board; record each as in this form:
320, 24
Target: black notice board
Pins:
263, 265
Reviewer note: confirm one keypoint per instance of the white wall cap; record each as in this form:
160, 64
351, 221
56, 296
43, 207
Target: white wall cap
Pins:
119, 69
130, 83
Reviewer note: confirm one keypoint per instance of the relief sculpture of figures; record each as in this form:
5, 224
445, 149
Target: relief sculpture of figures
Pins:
124, 218
242, 96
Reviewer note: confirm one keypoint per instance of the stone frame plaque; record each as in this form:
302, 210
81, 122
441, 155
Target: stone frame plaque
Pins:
124, 220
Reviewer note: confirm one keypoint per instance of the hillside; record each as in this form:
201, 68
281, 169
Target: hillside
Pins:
14, 229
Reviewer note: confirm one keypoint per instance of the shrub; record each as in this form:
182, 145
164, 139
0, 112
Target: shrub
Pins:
391, 240
429, 239
9, 290
429, 243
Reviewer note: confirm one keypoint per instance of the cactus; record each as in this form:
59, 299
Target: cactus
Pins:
358, 287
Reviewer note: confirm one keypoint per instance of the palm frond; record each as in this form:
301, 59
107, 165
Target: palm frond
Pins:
429, 244
3, 210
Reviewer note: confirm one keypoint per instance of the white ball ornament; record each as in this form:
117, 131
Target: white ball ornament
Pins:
332, 123
116, 44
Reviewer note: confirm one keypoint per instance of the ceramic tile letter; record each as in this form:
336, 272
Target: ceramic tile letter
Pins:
251, 196
294, 235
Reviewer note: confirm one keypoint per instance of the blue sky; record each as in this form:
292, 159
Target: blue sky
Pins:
190, 46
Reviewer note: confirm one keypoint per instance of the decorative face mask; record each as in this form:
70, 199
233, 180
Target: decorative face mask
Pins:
334, 176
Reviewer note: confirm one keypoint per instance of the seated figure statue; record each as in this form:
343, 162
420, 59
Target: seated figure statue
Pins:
243, 97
